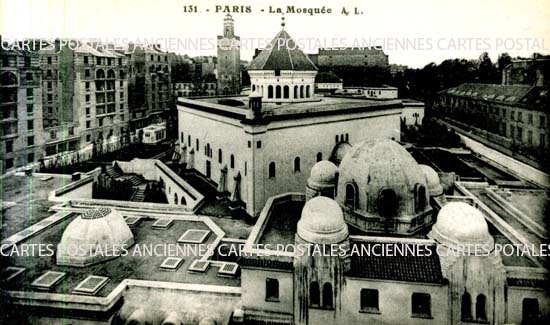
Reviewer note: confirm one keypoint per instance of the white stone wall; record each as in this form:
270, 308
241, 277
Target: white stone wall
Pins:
515, 302
253, 282
281, 142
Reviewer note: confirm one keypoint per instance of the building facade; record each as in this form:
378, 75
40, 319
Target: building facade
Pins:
229, 58
150, 86
511, 118
353, 57
21, 106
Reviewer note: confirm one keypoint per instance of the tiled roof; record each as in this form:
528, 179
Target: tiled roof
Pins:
420, 268
282, 54
530, 283
279, 263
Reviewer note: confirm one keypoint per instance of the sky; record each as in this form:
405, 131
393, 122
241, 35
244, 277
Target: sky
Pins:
412, 32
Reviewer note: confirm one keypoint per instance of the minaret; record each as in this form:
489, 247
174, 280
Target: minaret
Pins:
229, 59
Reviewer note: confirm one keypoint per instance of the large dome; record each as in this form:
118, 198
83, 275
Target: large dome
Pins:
99, 234
323, 173
378, 179
432, 179
322, 222
459, 223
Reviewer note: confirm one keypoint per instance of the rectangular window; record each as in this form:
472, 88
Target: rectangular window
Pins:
259, 144
87, 73
30, 157
30, 93
100, 122
88, 124
369, 300
87, 111
530, 118
87, 98
30, 141
30, 125
421, 305
512, 115
542, 121
520, 116
87, 85
30, 109
271, 289
542, 140
520, 134
85, 60
529, 137
9, 163
88, 138
9, 146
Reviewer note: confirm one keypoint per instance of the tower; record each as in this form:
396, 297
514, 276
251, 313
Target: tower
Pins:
229, 59
319, 278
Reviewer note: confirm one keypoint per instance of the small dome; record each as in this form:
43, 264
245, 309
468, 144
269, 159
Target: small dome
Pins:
339, 151
98, 234
432, 180
323, 174
461, 223
322, 222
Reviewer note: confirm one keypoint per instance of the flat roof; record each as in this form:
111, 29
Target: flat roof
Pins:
131, 266
318, 106
30, 195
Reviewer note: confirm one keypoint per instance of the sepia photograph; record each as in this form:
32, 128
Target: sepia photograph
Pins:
259, 162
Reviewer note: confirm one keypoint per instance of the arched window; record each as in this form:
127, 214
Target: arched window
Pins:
269, 91
111, 74
271, 289
387, 203
297, 164
314, 294
220, 156
183, 202
278, 91
302, 91
336, 139
350, 200
419, 197
176, 198
253, 88
481, 314
327, 296
286, 92
197, 144
272, 169
232, 161
295, 91
100, 74
307, 91
319, 156
466, 307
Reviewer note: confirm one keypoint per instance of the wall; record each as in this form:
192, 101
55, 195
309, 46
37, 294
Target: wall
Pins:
515, 302
394, 303
253, 283
519, 168
409, 112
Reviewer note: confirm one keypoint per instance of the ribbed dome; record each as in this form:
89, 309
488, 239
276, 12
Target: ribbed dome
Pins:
461, 223
322, 222
432, 179
102, 228
323, 173
339, 152
382, 176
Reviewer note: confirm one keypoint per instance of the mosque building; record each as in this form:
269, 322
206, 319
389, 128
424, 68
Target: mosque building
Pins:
260, 145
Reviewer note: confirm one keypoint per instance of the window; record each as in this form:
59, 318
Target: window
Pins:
286, 92
530, 311
232, 161
542, 121
88, 138
350, 196
520, 134
9, 146
9, 163
327, 296
529, 137
271, 289
481, 314
296, 164
30, 125
319, 156
520, 116
100, 122
176, 198
220, 156
85, 60
421, 305
250, 144
189, 140
542, 140
269, 91
314, 294
87, 98
420, 197
387, 203
87, 73
336, 139
369, 300
87, 111
466, 307
271, 171
278, 91
197, 144
30, 141
259, 144
530, 119
30, 157
30, 109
